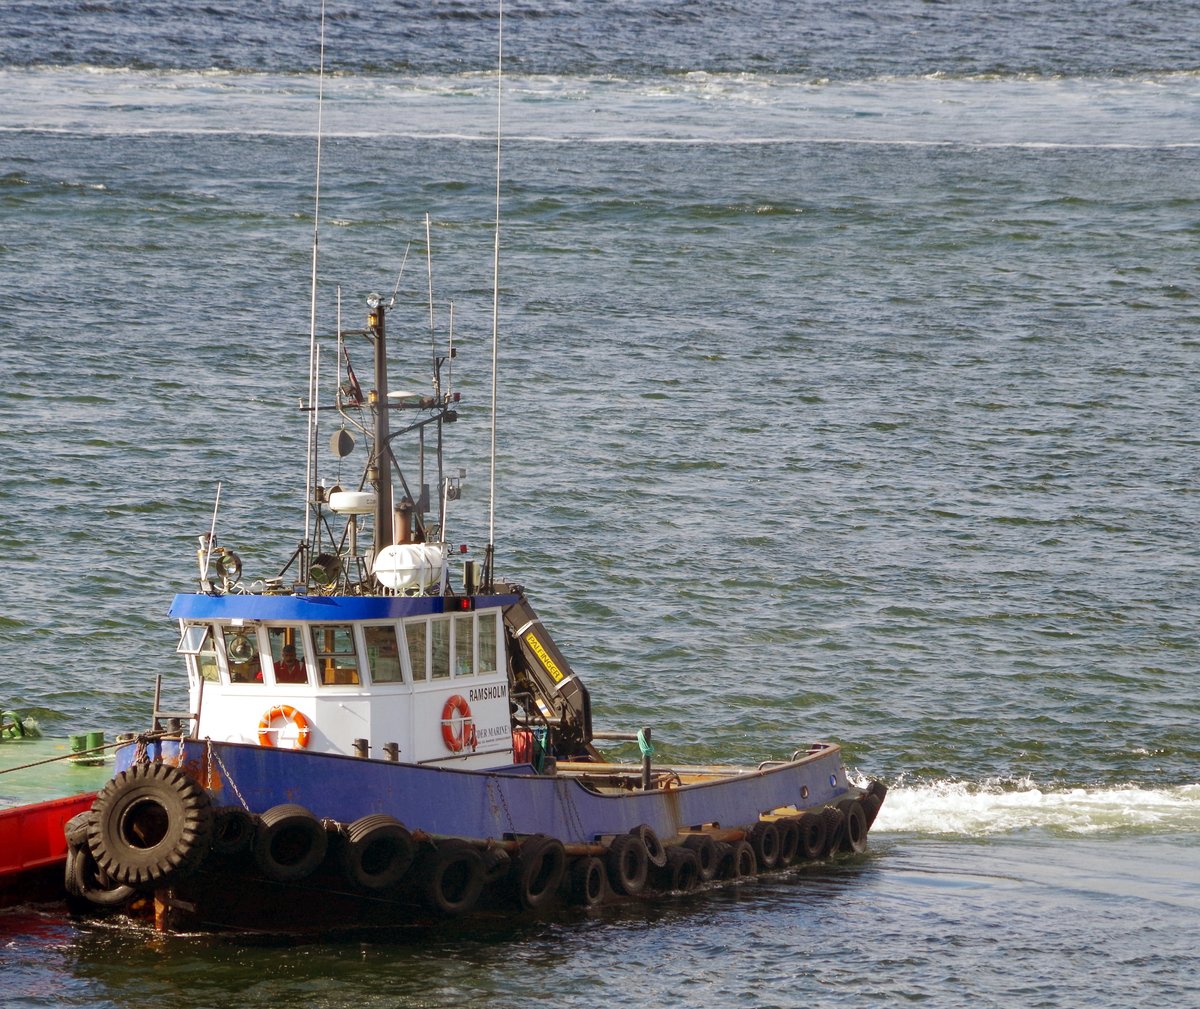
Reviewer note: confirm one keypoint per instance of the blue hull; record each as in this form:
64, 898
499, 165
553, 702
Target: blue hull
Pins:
511, 802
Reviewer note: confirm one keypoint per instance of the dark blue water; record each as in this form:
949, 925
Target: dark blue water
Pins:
848, 385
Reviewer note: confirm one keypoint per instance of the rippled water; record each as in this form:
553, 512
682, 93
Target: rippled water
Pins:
848, 384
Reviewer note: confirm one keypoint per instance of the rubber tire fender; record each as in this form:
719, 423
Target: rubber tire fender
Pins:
812, 836
745, 863
497, 864
84, 879
449, 877
378, 852
707, 855
233, 830
540, 865
628, 864
724, 860
764, 839
854, 837
152, 825
75, 830
682, 871
789, 841
290, 843
656, 853
835, 828
589, 882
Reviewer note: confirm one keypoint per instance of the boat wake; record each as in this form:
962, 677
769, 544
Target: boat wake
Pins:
989, 808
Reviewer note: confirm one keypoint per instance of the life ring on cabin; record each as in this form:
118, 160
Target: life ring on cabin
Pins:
458, 726
288, 714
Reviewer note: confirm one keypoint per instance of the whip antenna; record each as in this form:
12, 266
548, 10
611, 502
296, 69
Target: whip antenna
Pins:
491, 546
310, 474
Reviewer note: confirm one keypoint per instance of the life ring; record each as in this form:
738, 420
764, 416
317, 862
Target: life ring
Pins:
288, 714
152, 824
458, 727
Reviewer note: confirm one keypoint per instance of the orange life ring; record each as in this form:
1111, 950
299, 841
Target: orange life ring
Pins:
288, 714
458, 727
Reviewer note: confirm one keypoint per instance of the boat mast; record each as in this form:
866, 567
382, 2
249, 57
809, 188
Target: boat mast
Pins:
380, 467
310, 478
488, 574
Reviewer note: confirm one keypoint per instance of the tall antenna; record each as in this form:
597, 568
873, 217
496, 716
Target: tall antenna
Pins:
432, 331
311, 468
491, 546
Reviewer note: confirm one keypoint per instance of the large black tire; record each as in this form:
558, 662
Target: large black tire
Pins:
290, 843
871, 804
589, 884
539, 870
707, 856
84, 879
379, 850
656, 853
152, 826
764, 839
681, 873
449, 877
627, 864
789, 841
233, 830
726, 860
812, 836
835, 829
854, 838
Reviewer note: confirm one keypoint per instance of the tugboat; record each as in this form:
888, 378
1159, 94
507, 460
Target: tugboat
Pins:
373, 739
377, 737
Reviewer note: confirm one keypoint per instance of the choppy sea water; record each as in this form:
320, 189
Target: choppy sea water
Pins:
848, 388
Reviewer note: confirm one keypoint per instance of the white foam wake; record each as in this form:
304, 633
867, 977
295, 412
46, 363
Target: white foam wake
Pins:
976, 809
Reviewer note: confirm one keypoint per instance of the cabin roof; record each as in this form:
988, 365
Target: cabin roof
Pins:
325, 609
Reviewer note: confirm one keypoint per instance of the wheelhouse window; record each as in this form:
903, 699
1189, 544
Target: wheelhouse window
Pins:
486, 635
383, 654
241, 655
464, 645
287, 654
199, 642
439, 648
418, 656
337, 658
